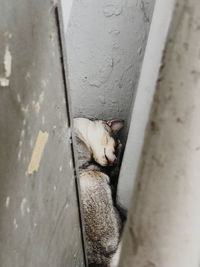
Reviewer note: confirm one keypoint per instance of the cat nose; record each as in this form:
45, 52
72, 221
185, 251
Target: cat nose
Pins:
113, 162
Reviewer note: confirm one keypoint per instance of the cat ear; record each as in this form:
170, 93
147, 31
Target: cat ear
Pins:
115, 125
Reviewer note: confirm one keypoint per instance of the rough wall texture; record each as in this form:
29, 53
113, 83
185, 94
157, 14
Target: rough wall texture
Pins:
163, 226
39, 218
105, 47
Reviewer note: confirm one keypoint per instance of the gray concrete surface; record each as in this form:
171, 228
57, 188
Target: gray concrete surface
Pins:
163, 226
144, 96
105, 41
39, 223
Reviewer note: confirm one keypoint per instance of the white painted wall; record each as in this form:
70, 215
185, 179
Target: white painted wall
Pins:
105, 46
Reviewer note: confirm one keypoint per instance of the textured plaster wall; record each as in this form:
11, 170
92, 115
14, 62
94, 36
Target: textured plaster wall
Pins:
105, 47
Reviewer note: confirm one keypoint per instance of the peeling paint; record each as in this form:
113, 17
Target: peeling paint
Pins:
28, 76
52, 37
60, 169
19, 154
7, 62
20, 143
18, 98
8, 35
7, 202
37, 107
41, 97
28, 210
38, 149
22, 133
4, 82
15, 223
22, 206
25, 109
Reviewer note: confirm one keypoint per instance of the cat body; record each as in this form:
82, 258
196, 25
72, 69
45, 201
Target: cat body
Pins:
101, 219
96, 147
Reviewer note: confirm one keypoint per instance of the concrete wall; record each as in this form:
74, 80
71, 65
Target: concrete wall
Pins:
163, 226
105, 47
145, 92
39, 213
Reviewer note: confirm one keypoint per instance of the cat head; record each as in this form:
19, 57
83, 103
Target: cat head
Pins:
101, 137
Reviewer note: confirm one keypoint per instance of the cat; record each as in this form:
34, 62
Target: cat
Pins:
97, 146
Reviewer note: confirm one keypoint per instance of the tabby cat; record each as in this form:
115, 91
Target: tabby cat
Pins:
97, 147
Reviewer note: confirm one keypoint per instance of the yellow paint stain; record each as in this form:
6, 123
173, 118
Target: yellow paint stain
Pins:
38, 149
